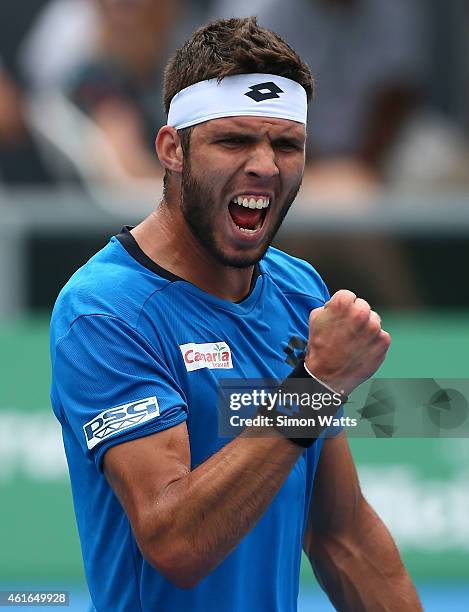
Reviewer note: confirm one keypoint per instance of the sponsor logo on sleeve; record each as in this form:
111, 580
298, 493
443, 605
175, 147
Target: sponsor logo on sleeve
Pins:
211, 355
117, 419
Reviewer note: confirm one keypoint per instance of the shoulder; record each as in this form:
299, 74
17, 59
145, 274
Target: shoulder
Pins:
293, 275
111, 283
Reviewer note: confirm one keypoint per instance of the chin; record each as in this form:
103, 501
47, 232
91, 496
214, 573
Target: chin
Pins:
243, 259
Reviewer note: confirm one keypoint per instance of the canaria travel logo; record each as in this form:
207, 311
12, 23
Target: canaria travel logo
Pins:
212, 355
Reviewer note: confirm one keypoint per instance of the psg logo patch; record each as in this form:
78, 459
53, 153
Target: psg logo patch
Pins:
264, 91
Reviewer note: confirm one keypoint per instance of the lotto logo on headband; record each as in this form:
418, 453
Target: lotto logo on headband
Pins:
264, 91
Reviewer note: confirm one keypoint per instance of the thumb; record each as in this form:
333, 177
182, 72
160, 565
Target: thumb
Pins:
313, 315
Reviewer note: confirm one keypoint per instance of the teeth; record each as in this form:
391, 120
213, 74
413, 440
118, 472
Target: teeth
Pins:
252, 202
250, 231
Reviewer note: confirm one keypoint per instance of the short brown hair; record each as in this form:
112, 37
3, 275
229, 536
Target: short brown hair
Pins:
233, 46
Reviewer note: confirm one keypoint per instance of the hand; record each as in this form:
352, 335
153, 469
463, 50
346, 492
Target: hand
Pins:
346, 344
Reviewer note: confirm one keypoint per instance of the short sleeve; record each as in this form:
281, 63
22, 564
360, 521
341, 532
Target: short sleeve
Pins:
325, 292
112, 385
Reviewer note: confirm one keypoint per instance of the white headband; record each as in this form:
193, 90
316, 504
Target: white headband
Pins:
253, 95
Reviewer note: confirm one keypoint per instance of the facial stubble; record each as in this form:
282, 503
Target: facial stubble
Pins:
199, 209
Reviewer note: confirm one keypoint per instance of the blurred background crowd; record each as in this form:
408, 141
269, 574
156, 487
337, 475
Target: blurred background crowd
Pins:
384, 211
80, 105
390, 108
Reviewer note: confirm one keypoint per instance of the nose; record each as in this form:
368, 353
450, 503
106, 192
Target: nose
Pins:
261, 162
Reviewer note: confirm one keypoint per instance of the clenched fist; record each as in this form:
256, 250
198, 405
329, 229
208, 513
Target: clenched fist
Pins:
346, 344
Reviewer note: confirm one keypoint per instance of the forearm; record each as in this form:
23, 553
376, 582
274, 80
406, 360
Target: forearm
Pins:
202, 516
363, 572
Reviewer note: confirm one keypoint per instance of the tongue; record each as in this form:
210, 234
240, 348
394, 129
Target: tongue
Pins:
245, 217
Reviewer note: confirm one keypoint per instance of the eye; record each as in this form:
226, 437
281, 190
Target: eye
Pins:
232, 141
287, 145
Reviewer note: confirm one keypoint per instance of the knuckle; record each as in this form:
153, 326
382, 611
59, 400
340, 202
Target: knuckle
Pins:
386, 338
343, 298
360, 316
375, 315
374, 326
361, 303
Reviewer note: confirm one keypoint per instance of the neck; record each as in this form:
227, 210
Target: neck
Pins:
165, 237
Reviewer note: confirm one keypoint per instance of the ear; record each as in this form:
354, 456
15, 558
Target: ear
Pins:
169, 149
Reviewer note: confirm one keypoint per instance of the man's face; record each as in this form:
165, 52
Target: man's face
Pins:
240, 177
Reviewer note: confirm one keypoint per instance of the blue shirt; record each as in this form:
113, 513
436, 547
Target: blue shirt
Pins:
135, 350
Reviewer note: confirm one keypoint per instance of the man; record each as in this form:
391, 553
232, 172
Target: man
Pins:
171, 516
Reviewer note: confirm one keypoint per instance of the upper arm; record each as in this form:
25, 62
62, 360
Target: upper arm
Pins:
337, 495
139, 471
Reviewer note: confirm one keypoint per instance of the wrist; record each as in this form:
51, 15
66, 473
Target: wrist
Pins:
336, 382
301, 383
332, 384
304, 371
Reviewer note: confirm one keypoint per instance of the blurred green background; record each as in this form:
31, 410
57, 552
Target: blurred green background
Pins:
419, 486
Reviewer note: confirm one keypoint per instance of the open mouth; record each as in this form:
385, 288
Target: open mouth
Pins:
248, 212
